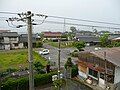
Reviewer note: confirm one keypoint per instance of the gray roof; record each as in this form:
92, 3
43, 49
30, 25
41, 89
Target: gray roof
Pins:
9, 34
112, 55
112, 36
88, 38
24, 38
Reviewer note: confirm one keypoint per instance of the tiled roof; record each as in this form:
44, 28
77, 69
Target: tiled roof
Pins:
1, 31
112, 55
52, 34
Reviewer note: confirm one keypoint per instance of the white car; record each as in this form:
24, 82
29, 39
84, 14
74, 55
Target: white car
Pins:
44, 52
97, 48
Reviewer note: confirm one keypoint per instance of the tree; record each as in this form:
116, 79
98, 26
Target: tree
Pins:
68, 66
104, 40
39, 44
73, 29
79, 45
38, 67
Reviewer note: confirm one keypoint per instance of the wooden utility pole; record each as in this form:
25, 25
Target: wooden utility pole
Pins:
59, 62
105, 69
30, 54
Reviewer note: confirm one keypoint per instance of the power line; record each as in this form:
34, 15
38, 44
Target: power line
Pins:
66, 18
81, 20
8, 13
76, 24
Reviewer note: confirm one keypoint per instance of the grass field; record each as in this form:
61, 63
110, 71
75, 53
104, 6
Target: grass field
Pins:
17, 58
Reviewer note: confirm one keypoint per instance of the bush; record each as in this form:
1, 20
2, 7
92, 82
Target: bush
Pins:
74, 70
79, 45
74, 54
59, 83
23, 83
39, 44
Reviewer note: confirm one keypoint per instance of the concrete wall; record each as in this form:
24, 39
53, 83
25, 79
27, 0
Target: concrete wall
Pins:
82, 74
117, 86
7, 47
21, 45
6, 40
117, 75
102, 83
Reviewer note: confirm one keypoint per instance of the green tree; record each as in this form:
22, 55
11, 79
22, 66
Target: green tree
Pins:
68, 66
104, 40
71, 35
39, 44
79, 45
73, 29
38, 67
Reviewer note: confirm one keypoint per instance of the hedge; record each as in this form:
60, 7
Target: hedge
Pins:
23, 82
74, 70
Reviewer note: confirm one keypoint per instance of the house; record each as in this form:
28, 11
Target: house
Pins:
1, 31
89, 39
8, 40
113, 36
52, 35
23, 40
102, 66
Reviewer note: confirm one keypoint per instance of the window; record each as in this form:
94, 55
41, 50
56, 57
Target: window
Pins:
93, 73
13, 39
16, 44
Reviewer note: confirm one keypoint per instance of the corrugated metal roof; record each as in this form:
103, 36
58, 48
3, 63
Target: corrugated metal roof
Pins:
112, 55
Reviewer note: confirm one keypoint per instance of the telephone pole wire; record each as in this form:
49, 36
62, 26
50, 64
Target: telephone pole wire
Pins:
30, 54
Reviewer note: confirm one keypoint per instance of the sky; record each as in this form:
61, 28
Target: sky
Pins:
98, 10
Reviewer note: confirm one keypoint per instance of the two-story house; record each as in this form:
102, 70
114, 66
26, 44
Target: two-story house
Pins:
103, 67
8, 40
52, 35
23, 40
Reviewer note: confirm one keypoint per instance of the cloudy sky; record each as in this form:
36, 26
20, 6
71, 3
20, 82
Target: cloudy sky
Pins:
98, 10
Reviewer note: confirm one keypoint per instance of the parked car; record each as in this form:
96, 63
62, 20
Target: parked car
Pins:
44, 52
97, 48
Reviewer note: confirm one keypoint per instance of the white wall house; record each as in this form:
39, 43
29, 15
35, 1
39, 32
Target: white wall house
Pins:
94, 67
9, 40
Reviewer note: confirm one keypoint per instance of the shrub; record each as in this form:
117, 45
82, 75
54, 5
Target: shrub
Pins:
39, 44
74, 54
74, 70
23, 82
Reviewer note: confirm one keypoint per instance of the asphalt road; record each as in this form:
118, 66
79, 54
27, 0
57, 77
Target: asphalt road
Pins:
65, 53
53, 55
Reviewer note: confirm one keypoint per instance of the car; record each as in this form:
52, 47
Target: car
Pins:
98, 48
44, 52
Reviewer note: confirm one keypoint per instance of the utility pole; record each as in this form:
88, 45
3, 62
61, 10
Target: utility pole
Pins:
59, 62
105, 69
64, 26
30, 54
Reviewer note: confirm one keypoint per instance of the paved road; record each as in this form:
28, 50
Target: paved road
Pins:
53, 56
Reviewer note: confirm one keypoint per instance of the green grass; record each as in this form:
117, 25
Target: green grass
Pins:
16, 58
62, 44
